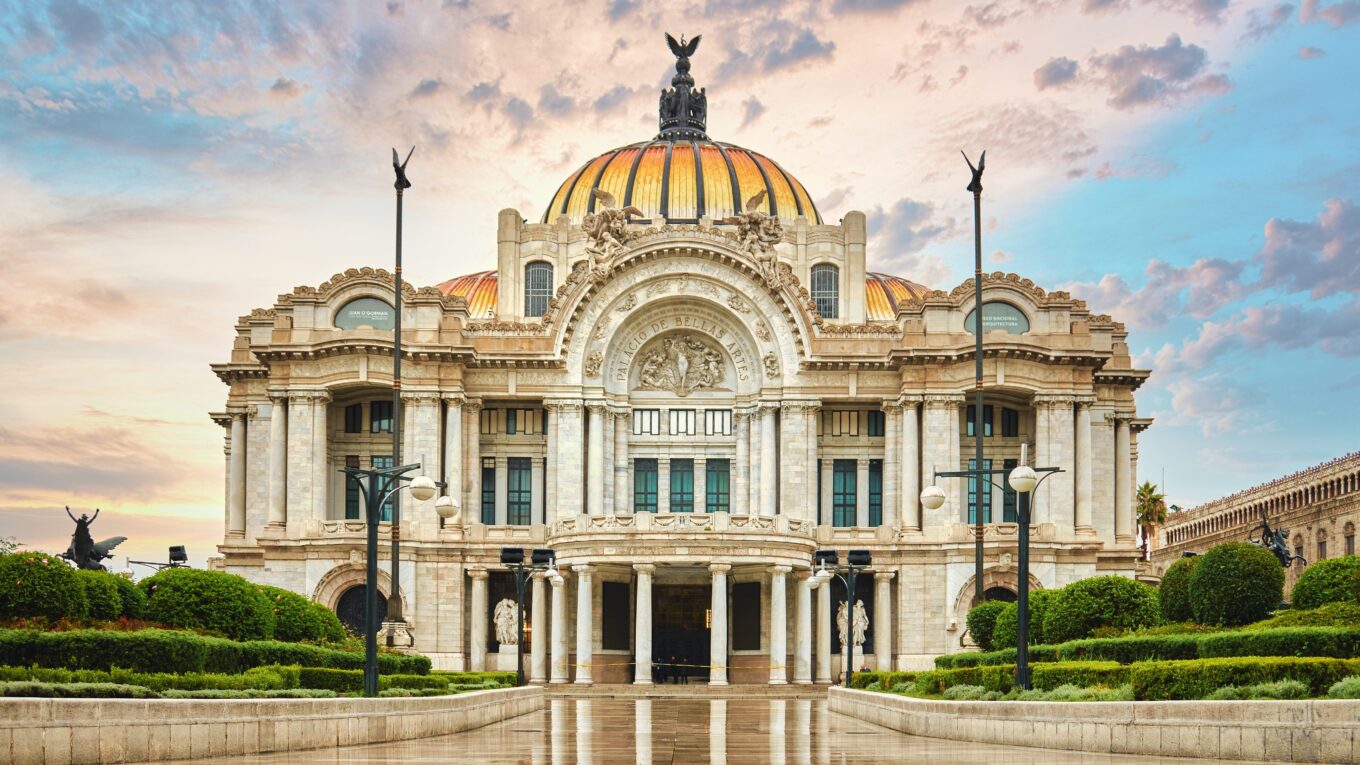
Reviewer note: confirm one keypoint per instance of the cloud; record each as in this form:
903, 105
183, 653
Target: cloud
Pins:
285, 89
79, 26
1264, 23
1311, 52
484, 92
899, 234
751, 109
869, 6
1140, 166
776, 44
552, 101
1271, 327
1040, 133
1321, 257
1337, 14
427, 88
1200, 290
619, 8
613, 99
1055, 73
1215, 404
1000, 256
1203, 10
1146, 75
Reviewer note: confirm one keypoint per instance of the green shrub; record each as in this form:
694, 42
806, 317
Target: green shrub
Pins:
1327, 581
298, 619
133, 600
1008, 621
260, 678
964, 692
102, 600
1235, 583
179, 652
1078, 673
1127, 650
209, 600
863, 680
1347, 688
1173, 595
352, 680
1330, 615
1102, 601
286, 693
37, 584
1163, 680
507, 679
1335, 642
76, 691
1228, 693
981, 620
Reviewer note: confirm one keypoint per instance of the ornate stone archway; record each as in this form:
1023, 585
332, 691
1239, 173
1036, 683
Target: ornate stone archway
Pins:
1004, 577
344, 576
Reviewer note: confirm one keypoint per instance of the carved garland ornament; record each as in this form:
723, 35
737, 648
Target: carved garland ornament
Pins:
593, 363
682, 364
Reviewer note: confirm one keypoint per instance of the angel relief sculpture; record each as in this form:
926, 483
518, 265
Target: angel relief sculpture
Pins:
681, 364
608, 232
757, 234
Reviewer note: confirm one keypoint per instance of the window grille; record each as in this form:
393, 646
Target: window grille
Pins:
538, 287
646, 422
682, 422
644, 485
826, 290
682, 486
519, 491
717, 484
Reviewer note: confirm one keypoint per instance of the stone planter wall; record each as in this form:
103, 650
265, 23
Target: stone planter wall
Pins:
1262, 731
74, 731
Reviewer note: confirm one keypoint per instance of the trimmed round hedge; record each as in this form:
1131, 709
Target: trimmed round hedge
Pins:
982, 620
297, 619
1234, 584
1174, 592
37, 584
1101, 601
132, 597
101, 595
1008, 621
1327, 581
209, 600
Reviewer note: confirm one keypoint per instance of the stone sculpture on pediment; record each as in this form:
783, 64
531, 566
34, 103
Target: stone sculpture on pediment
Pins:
757, 234
681, 364
609, 234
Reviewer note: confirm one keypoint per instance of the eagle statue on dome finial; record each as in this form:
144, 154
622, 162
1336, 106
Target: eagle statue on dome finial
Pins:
682, 49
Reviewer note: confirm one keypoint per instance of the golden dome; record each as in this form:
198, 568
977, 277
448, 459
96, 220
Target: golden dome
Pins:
680, 180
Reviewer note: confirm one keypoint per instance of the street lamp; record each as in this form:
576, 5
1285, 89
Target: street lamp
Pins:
540, 560
827, 565
377, 485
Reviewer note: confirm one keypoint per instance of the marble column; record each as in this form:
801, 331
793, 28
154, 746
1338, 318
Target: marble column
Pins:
278, 462
802, 636
607, 462
883, 623
862, 492
700, 484
585, 624
300, 473
453, 451
940, 453
824, 621
477, 620
560, 672
892, 464
754, 463
741, 466
623, 489
550, 468
779, 625
538, 617
1082, 463
321, 463
595, 460
570, 442
236, 500
769, 461
910, 496
538, 491
1123, 482
827, 513
472, 453
642, 638
717, 646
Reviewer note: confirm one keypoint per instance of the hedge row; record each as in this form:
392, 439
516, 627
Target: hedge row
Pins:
1001, 678
179, 653
885, 680
76, 690
352, 680
259, 678
475, 678
1333, 642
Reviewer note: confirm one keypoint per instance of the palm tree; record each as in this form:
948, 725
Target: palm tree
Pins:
1151, 511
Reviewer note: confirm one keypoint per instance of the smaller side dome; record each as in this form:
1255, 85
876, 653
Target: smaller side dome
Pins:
479, 290
884, 292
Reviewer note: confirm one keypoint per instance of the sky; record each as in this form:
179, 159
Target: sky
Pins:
1188, 166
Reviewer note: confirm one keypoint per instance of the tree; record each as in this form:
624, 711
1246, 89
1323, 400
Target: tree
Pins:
1151, 511
9, 545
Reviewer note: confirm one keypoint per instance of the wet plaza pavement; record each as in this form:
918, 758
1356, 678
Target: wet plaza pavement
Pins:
733, 731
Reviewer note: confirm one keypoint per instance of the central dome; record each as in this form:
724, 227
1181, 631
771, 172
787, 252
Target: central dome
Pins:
681, 175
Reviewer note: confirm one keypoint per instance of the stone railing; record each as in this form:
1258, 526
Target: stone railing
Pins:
688, 523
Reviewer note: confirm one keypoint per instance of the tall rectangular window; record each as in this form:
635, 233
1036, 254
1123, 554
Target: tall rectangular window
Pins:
718, 422
1009, 497
378, 462
353, 498
843, 493
1010, 423
718, 486
826, 293
682, 422
973, 492
380, 417
841, 423
354, 419
682, 486
519, 491
521, 421
987, 414
1350, 544
489, 420
1322, 549
875, 424
644, 485
489, 491
512, 422
646, 422
876, 492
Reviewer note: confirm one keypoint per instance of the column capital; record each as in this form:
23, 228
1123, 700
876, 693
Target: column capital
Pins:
582, 569
564, 405
767, 408
597, 407
1120, 418
308, 396
454, 399
910, 399
472, 405
883, 576
800, 406
623, 413
892, 406
421, 396
942, 400
719, 568
1086, 399
278, 396
740, 415
478, 573
645, 568
1042, 400
780, 570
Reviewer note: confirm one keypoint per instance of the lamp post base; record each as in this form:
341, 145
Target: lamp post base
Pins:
396, 635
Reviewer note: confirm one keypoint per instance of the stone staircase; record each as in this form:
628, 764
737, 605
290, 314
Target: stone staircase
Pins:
684, 691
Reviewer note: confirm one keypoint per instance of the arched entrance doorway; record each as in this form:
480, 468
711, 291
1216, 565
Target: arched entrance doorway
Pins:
350, 608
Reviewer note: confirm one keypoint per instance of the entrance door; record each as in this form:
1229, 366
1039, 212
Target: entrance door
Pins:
680, 632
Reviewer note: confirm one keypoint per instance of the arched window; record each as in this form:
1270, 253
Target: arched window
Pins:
538, 286
826, 290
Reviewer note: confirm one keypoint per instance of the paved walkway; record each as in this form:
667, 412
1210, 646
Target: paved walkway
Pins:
717, 732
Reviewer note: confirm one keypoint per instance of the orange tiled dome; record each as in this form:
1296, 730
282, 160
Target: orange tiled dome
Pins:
479, 290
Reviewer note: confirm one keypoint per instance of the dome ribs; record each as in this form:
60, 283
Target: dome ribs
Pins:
632, 175
732, 175
699, 208
666, 183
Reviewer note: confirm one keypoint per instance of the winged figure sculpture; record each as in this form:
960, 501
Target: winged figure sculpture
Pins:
683, 49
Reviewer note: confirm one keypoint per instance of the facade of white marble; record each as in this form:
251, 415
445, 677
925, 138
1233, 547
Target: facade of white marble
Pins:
683, 349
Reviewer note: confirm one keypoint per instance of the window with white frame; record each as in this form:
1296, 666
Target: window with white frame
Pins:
647, 422
718, 422
843, 422
522, 421
489, 423
682, 422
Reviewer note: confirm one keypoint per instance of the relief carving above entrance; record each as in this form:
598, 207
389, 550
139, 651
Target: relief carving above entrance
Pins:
682, 363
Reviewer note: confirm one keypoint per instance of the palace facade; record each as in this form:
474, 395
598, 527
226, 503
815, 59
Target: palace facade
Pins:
684, 382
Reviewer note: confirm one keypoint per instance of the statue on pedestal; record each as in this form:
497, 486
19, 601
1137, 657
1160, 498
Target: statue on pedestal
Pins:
506, 618
84, 551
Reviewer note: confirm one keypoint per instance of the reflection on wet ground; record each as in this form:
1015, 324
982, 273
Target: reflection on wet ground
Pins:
731, 731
